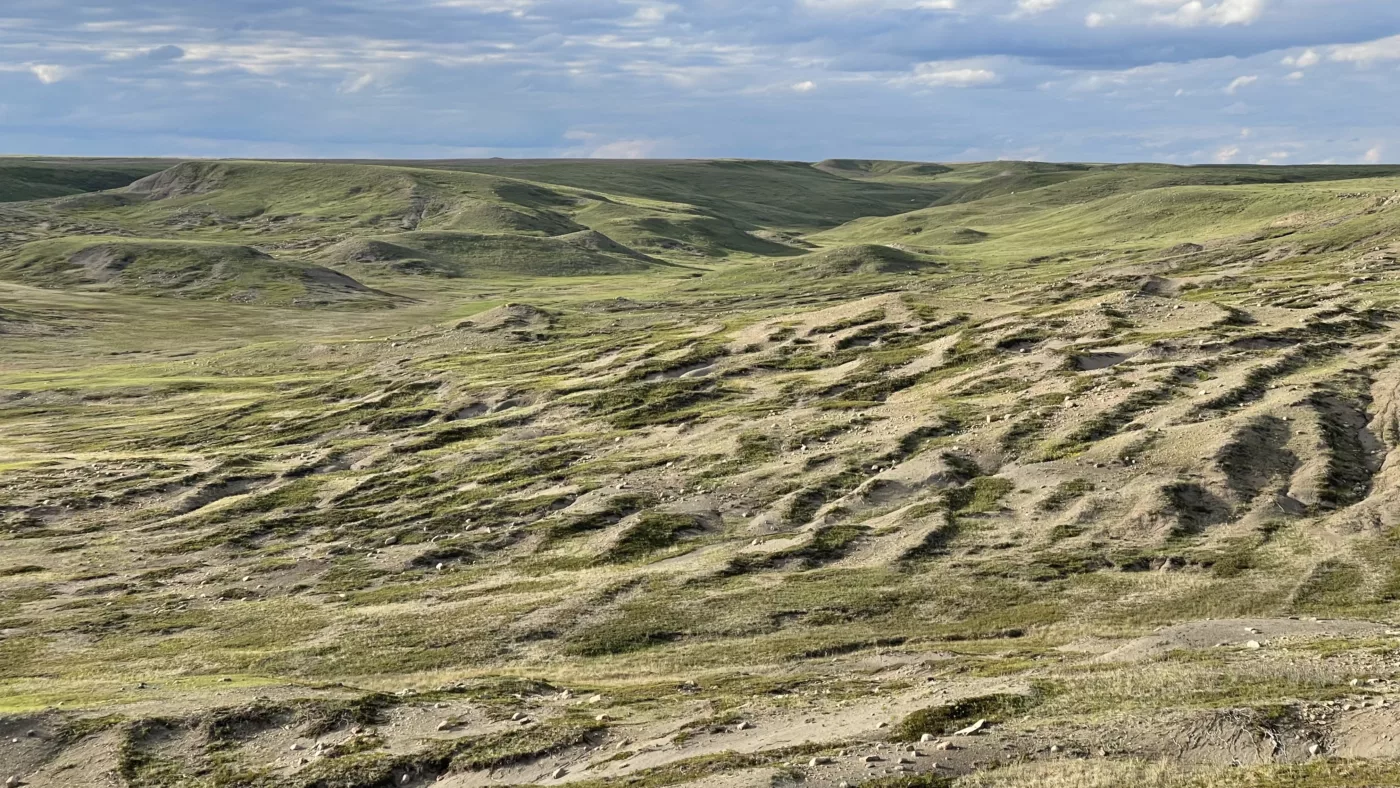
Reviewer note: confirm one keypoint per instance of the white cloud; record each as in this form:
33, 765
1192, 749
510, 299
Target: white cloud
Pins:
1225, 12
942, 74
1246, 133
1295, 76
1305, 60
1227, 154
357, 84
624, 149
1380, 49
1375, 155
49, 74
1097, 19
881, 5
804, 87
652, 14
1035, 6
1241, 82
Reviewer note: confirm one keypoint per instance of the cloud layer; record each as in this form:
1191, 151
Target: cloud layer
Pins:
1099, 80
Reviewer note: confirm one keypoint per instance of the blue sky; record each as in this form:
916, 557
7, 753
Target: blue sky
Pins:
1275, 81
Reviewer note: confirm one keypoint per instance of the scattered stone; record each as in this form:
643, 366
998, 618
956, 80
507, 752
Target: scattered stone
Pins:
557, 773
1054, 748
818, 761
445, 725
1253, 644
296, 747
926, 738
743, 726
872, 759
1314, 749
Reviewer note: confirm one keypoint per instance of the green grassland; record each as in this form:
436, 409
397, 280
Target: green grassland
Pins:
592, 461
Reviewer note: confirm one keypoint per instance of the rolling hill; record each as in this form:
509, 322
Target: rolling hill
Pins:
640, 474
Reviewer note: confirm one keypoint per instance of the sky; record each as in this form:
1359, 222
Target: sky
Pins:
1180, 81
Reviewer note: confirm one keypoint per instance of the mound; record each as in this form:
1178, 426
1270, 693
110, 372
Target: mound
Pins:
509, 317
860, 259
454, 254
377, 253
868, 167
182, 180
185, 269
490, 218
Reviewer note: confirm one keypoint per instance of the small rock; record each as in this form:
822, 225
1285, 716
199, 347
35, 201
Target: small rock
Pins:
445, 725
405, 780
1054, 748
557, 773
872, 759
1314, 749
517, 717
296, 747
818, 761
926, 738
743, 726
1252, 644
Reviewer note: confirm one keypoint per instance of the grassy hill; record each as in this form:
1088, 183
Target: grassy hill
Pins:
702, 473
183, 269
24, 178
